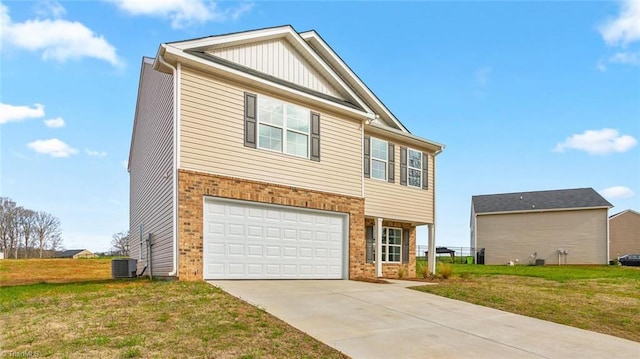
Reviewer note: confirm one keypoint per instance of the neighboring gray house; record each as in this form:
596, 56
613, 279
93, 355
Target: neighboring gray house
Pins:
567, 226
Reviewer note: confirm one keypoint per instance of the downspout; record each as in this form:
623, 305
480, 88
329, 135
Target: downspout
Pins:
608, 239
174, 188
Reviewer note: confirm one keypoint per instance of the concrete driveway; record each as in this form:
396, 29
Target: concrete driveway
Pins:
365, 320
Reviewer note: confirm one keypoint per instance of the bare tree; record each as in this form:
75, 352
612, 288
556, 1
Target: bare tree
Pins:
22, 230
120, 243
7, 212
27, 219
47, 231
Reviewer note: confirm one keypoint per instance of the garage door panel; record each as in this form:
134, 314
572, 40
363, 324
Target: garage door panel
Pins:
245, 240
255, 250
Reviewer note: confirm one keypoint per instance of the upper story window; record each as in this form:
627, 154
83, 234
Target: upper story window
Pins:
283, 127
414, 168
379, 158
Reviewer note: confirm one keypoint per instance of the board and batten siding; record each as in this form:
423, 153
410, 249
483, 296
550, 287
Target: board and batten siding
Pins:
277, 58
151, 172
507, 237
212, 141
394, 201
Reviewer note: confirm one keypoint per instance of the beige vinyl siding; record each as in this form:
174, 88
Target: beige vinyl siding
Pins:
624, 234
212, 141
393, 201
278, 58
150, 197
507, 237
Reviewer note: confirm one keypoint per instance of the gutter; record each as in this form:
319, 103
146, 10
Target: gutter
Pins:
174, 186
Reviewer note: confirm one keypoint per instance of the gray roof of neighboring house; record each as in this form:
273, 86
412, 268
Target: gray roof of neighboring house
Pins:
69, 253
539, 200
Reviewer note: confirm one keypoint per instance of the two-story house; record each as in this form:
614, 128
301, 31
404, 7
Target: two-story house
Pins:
260, 154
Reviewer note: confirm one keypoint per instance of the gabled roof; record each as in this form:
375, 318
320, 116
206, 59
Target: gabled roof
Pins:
624, 212
69, 253
565, 199
355, 94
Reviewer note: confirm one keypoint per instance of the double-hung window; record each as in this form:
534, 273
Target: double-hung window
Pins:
379, 158
391, 244
414, 168
283, 127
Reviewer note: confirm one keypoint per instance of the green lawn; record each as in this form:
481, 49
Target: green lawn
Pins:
104, 318
604, 299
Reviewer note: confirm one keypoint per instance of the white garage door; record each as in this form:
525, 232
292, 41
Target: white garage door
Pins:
248, 240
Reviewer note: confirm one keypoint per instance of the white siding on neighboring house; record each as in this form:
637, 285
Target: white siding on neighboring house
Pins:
394, 201
151, 170
212, 141
278, 58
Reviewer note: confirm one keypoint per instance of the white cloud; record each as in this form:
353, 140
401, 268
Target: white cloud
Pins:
625, 28
54, 122
125, 164
93, 153
598, 142
617, 192
46, 8
628, 58
53, 147
10, 113
182, 13
56, 39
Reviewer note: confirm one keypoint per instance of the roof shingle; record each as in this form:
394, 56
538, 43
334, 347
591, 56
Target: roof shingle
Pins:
539, 200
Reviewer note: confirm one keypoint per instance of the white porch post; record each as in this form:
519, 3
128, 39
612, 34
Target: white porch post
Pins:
379, 247
432, 248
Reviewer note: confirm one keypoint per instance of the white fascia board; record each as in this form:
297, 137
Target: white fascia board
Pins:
231, 39
267, 34
313, 36
272, 85
393, 133
542, 210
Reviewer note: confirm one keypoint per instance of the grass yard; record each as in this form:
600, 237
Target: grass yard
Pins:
603, 299
93, 316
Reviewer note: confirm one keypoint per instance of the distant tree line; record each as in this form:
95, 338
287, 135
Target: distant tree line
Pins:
25, 233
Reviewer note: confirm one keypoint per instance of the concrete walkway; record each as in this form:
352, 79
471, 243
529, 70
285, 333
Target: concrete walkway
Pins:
365, 320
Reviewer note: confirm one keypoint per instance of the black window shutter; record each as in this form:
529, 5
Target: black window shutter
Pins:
392, 163
425, 170
367, 156
315, 136
250, 119
405, 246
370, 244
403, 165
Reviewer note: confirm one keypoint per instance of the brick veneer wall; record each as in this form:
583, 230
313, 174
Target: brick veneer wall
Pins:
391, 270
193, 186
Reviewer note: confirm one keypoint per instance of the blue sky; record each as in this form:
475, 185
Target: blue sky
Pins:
525, 95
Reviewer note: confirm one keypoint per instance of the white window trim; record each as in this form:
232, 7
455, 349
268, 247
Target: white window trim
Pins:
414, 168
385, 161
386, 253
284, 128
